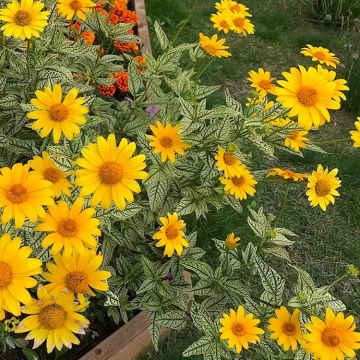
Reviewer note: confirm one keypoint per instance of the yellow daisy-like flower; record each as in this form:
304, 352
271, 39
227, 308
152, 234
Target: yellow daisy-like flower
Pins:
213, 46
109, 172
77, 273
322, 185
282, 122
24, 20
333, 338
320, 54
231, 241
297, 140
221, 21
71, 8
233, 6
70, 227
16, 271
171, 235
309, 95
286, 329
48, 170
261, 80
23, 194
57, 114
166, 141
54, 318
355, 134
240, 329
287, 174
228, 163
240, 186
240, 24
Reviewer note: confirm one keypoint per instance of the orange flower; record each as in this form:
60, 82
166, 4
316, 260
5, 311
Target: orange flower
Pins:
101, 51
122, 81
76, 26
88, 36
107, 90
140, 61
129, 16
126, 47
113, 19
120, 6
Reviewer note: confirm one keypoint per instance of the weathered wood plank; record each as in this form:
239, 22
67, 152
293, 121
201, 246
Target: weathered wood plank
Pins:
143, 28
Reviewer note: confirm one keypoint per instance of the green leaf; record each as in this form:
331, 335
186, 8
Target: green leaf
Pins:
161, 36
147, 285
154, 329
200, 268
199, 347
175, 319
157, 190
135, 82
149, 267
30, 354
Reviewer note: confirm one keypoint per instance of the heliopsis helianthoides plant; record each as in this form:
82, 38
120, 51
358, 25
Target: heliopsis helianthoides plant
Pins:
321, 54
109, 170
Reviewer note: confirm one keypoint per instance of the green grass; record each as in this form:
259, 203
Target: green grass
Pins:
328, 241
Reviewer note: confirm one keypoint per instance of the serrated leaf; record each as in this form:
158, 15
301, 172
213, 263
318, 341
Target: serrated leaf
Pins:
161, 36
175, 319
199, 347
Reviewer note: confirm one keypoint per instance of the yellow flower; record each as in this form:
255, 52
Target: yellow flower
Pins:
355, 134
320, 54
77, 273
231, 241
287, 174
24, 20
240, 24
23, 194
286, 328
221, 21
47, 169
281, 122
240, 329
333, 338
233, 6
309, 95
213, 46
16, 271
71, 8
109, 172
167, 141
54, 319
171, 235
69, 228
241, 185
229, 164
322, 186
262, 82
56, 114
297, 140
340, 84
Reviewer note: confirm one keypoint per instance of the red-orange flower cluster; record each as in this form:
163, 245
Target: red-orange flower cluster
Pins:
88, 36
107, 90
122, 81
129, 16
140, 61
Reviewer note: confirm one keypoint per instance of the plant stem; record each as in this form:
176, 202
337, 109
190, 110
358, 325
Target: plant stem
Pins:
283, 203
204, 69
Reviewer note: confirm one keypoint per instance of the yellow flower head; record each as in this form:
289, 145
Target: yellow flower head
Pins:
355, 134
54, 318
228, 163
171, 235
16, 271
24, 20
240, 329
287, 174
57, 114
166, 141
320, 54
47, 169
69, 227
322, 185
231, 241
240, 186
109, 172
340, 84
221, 21
282, 122
213, 46
23, 194
77, 273
297, 140
233, 6
240, 24
261, 80
71, 8
285, 328
333, 338
309, 95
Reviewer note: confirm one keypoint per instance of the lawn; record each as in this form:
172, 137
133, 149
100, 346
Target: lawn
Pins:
328, 241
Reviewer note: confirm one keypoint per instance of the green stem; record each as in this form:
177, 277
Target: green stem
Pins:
204, 69
335, 282
283, 203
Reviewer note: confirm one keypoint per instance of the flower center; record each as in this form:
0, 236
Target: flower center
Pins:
235, 8
294, 135
22, 18
289, 329
52, 174
111, 173
76, 281
166, 142
229, 159
67, 228
307, 96
75, 5
239, 22
6, 275
265, 84
224, 24
52, 316
172, 232
58, 112
238, 329
330, 337
210, 49
320, 55
322, 187
238, 181
16, 194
